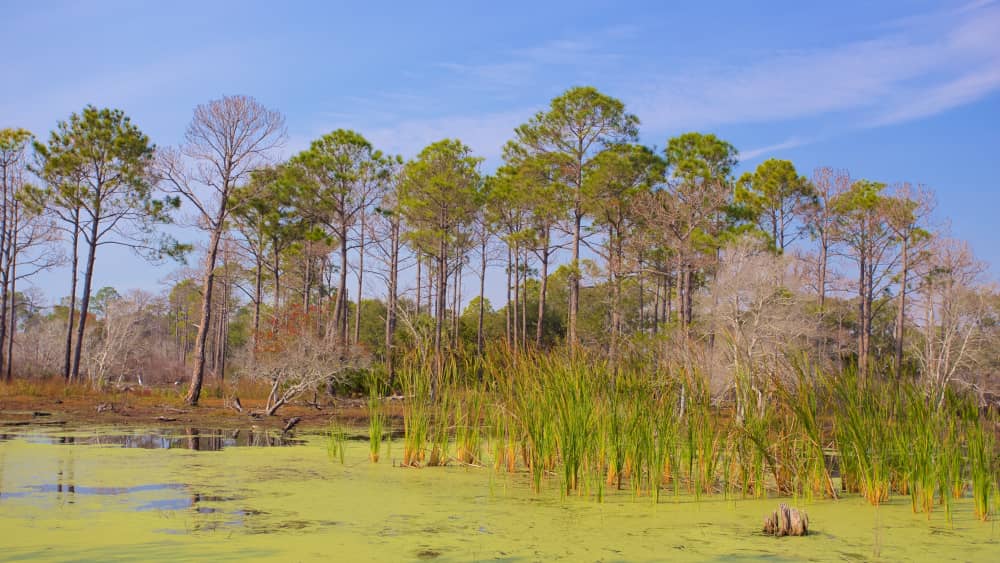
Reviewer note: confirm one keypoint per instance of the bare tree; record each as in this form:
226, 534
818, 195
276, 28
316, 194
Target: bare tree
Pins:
298, 360
755, 304
952, 313
124, 338
907, 211
227, 139
821, 220
23, 230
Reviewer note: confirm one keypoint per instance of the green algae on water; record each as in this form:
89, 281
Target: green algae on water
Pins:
99, 503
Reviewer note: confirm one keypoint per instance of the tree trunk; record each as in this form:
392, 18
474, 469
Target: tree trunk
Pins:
307, 286
456, 300
6, 240
208, 282
507, 319
341, 314
616, 291
901, 313
88, 277
668, 305
482, 298
441, 300
642, 298
517, 297
821, 283
361, 280
524, 302
258, 296
276, 273
657, 289
862, 319
543, 288
13, 318
74, 268
390, 317
574, 286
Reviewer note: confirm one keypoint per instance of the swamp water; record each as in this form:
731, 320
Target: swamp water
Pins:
106, 493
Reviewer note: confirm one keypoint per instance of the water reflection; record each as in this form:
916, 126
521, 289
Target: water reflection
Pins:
197, 439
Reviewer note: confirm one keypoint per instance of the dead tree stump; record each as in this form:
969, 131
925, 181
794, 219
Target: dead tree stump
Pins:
786, 522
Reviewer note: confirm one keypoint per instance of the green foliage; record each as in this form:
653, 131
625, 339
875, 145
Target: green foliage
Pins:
775, 195
99, 161
439, 194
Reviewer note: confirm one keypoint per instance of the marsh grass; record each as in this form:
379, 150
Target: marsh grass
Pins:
981, 468
588, 427
863, 418
415, 377
377, 417
336, 439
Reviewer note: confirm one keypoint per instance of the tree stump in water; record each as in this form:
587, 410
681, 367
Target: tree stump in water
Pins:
786, 522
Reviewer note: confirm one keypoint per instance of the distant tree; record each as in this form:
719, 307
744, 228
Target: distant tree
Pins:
870, 243
103, 298
227, 139
387, 238
579, 124
955, 316
907, 210
621, 175
822, 217
24, 231
97, 167
264, 217
338, 177
507, 212
699, 179
539, 186
438, 196
777, 196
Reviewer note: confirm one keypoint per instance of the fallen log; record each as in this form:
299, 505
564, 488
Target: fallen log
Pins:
291, 423
786, 522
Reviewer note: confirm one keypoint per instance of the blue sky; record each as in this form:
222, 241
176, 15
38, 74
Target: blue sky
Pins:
892, 91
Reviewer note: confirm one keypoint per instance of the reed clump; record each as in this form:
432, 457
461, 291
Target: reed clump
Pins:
377, 417
586, 424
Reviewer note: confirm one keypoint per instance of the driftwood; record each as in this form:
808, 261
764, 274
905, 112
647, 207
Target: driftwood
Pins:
786, 522
291, 423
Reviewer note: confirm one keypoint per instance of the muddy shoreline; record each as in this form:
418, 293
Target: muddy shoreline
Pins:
139, 411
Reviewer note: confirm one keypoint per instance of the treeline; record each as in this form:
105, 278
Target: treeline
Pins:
342, 257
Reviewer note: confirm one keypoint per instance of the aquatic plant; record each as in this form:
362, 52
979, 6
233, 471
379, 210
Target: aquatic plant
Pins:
862, 426
414, 379
983, 474
377, 418
335, 442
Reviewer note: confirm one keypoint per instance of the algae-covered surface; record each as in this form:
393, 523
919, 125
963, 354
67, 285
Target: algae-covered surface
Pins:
90, 494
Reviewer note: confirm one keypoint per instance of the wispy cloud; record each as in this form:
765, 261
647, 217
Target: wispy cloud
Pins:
903, 75
520, 66
904, 70
777, 147
485, 134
